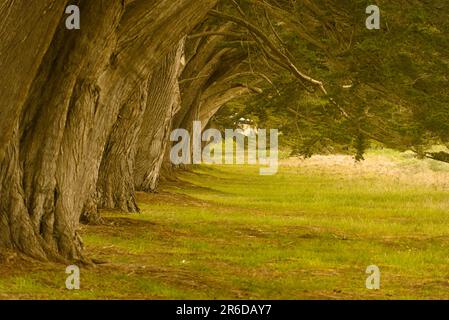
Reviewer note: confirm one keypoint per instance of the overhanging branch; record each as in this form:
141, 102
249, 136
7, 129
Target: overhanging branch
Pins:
276, 54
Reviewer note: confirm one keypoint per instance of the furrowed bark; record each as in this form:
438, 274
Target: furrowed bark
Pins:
162, 104
143, 119
115, 186
35, 23
55, 152
37, 213
116, 183
147, 33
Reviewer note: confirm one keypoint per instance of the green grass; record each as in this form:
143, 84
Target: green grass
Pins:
309, 232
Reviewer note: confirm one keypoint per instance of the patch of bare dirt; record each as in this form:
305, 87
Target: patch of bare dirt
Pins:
165, 197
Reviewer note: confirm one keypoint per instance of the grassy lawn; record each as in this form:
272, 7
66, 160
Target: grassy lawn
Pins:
309, 232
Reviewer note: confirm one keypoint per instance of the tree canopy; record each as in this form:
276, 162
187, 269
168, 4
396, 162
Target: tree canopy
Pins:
387, 86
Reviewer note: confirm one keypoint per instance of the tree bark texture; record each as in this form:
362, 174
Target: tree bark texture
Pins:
162, 104
71, 101
23, 25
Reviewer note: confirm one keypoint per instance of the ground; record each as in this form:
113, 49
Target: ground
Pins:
225, 232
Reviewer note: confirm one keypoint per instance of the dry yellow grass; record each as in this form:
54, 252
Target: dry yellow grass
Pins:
407, 170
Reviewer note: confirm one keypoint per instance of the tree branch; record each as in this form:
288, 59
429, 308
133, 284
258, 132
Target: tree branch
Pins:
279, 55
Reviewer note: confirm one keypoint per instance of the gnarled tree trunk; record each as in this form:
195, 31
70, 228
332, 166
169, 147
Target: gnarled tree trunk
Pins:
143, 119
115, 186
20, 60
162, 105
53, 154
37, 206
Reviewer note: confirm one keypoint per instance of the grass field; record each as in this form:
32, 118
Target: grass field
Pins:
308, 232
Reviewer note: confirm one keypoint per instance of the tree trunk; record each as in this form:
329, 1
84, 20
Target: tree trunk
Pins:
208, 62
213, 100
151, 105
54, 153
36, 22
37, 211
90, 214
162, 104
115, 184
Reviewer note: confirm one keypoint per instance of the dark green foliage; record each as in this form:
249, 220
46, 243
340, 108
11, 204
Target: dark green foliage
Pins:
389, 85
